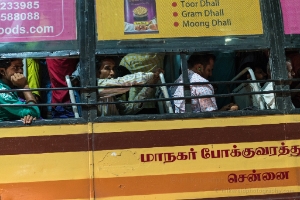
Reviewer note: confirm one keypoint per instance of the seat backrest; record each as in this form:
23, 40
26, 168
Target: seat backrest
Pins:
248, 100
243, 101
164, 89
72, 96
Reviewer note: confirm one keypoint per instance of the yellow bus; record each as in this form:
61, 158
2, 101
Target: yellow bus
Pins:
245, 154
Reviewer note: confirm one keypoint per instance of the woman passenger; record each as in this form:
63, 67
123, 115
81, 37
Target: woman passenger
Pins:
11, 77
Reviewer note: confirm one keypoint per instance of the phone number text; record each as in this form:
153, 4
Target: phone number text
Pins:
19, 5
19, 16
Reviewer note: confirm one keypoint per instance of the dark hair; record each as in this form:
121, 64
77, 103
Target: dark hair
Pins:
203, 59
253, 66
100, 61
6, 62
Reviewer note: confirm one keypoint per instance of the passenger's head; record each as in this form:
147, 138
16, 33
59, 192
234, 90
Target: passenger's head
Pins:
202, 64
257, 69
289, 68
105, 68
9, 67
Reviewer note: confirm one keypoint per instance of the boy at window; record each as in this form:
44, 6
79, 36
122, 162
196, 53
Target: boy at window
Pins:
11, 77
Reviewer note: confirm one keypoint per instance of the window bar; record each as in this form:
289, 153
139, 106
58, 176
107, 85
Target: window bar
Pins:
187, 88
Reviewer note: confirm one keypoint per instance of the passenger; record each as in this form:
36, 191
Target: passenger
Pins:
295, 62
269, 99
290, 70
200, 69
58, 69
143, 62
46, 96
257, 68
106, 76
258, 72
11, 77
295, 96
255, 101
33, 76
261, 57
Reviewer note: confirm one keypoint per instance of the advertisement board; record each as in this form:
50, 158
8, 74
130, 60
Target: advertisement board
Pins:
37, 20
291, 15
137, 19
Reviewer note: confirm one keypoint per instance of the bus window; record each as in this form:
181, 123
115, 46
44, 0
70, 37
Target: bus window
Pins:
254, 66
236, 66
36, 74
58, 69
133, 68
201, 67
12, 77
293, 69
227, 66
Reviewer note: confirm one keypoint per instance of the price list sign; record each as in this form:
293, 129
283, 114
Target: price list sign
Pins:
291, 15
138, 19
37, 20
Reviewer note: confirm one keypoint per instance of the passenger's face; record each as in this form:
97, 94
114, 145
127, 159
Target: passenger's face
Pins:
208, 69
260, 74
107, 69
289, 68
15, 67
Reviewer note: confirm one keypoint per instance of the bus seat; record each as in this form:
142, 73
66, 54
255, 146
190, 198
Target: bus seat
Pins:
165, 106
72, 96
246, 101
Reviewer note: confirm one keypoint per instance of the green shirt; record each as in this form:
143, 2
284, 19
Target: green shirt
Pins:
14, 113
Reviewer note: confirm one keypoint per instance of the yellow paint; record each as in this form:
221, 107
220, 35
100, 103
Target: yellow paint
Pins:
146, 125
193, 123
245, 17
43, 130
90, 127
91, 163
44, 167
211, 194
79, 199
126, 163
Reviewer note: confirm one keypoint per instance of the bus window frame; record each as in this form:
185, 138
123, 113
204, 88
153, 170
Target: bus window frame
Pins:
88, 47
